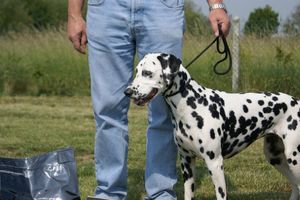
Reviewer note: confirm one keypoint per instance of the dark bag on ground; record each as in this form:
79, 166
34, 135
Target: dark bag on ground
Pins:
51, 176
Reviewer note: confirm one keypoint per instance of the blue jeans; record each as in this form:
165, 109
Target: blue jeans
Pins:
117, 29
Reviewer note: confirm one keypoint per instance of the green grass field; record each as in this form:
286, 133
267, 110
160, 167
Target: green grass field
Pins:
34, 125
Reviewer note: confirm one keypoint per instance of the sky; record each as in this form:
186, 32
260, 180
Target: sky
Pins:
242, 8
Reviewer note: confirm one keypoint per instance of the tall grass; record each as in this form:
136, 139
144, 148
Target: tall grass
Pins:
45, 63
266, 64
41, 63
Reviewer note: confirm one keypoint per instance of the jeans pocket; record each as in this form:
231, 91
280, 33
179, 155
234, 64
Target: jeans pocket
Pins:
95, 2
173, 3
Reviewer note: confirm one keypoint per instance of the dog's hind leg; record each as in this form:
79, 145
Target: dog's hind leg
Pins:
275, 154
188, 172
215, 167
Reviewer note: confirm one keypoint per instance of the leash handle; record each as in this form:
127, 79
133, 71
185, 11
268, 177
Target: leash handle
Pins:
225, 51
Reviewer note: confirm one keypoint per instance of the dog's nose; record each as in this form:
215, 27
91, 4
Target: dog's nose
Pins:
128, 92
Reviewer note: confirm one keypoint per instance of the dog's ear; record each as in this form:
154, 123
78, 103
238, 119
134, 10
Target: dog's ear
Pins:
170, 66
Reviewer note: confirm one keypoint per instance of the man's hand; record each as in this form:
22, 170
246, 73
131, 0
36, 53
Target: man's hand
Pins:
77, 26
219, 17
77, 33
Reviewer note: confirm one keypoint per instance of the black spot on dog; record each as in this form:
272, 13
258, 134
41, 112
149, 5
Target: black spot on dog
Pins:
225, 147
298, 148
254, 120
214, 112
261, 102
243, 124
201, 149
191, 138
217, 99
199, 119
260, 114
294, 153
230, 123
221, 192
294, 102
212, 134
202, 100
219, 132
293, 125
267, 110
245, 108
249, 139
270, 103
275, 98
268, 94
283, 136
188, 126
289, 119
182, 130
249, 101
267, 123
295, 162
210, 154
278, 107
147, 73
191, 102
184, 93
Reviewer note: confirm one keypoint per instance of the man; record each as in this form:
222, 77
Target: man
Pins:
116, 30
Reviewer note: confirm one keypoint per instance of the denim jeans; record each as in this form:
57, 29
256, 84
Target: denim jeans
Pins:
117, 30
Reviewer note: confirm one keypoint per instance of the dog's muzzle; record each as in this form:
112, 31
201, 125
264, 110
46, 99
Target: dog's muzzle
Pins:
140, 100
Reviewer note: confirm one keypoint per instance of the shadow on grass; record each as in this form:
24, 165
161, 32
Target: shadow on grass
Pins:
253, 196
136, 189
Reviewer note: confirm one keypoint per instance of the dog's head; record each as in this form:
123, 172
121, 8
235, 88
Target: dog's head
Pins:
154, 73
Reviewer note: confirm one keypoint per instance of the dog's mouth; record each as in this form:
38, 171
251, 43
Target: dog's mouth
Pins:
145, 99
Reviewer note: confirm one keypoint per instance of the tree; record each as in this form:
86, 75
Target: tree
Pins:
262, 22
292, 24
196, 22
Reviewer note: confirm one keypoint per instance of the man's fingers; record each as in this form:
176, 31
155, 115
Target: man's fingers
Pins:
83, 42
215, 28
79, 42
225, 27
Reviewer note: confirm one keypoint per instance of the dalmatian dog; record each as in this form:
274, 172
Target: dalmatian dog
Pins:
216, 125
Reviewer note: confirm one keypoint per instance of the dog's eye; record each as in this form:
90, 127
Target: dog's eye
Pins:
146, 73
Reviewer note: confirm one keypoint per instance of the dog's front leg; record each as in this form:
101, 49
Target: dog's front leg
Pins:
188, 172
215, 167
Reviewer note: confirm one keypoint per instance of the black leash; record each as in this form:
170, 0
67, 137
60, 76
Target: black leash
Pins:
225, 51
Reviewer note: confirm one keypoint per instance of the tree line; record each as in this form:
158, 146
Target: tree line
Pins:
17, 15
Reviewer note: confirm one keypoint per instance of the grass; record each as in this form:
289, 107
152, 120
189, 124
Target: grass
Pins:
45, 63
34, 125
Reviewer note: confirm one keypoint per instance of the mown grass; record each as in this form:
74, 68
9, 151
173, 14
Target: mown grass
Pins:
34, 125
